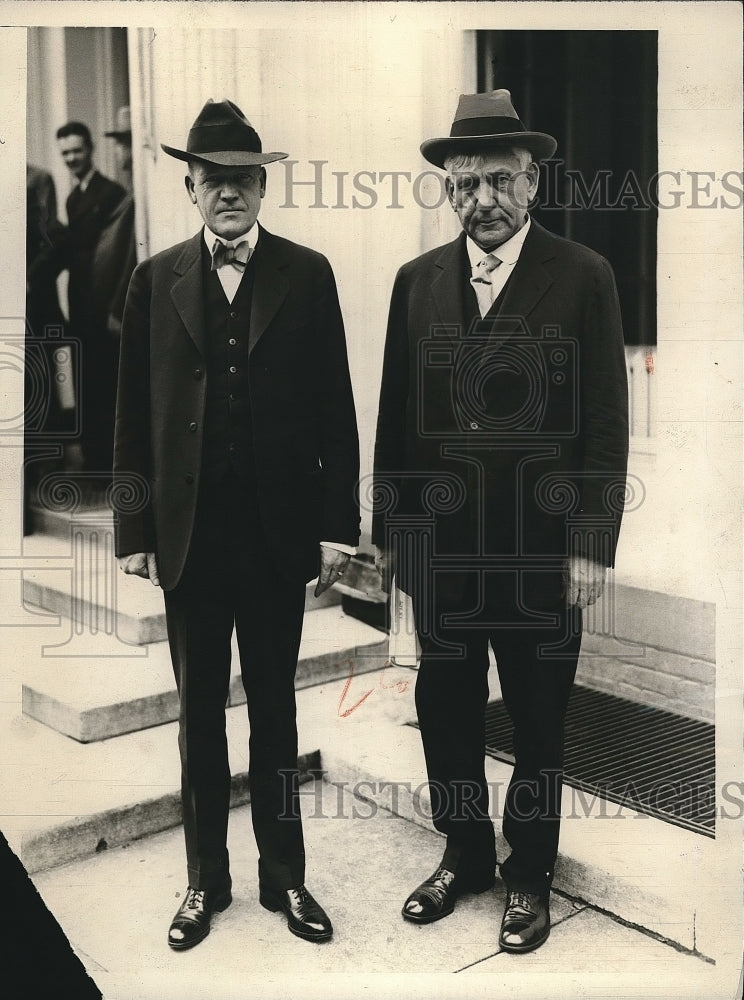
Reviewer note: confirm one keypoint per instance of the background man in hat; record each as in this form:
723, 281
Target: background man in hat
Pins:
235, 406
115, 255
500, 463
89, 205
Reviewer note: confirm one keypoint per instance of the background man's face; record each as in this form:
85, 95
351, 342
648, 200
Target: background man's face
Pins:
228, 198
123, 153
76, 153
491, 200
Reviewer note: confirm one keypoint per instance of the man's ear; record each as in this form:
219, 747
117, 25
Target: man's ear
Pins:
262, 181
533, 171
449, 187
190, 188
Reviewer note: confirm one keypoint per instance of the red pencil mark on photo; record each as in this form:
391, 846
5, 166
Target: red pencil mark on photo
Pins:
399, 686
347, 685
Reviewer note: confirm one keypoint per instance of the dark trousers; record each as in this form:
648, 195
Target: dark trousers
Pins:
230, 580
96, 392
451, 698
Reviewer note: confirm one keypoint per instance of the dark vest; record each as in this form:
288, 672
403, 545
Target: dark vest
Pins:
228, 437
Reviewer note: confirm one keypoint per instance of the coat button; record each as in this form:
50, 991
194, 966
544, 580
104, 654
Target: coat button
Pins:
233, 369
232, 341
473, 425
198, 373
233, 449
189, 479
233, 315
192, 426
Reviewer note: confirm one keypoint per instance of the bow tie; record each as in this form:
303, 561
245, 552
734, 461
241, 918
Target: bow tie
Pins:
238, 256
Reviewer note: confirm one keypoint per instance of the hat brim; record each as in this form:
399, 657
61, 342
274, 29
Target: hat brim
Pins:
540, 144
225, 158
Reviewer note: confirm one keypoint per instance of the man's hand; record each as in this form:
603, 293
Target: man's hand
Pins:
141, 564
385, 566
332, 566
584, 581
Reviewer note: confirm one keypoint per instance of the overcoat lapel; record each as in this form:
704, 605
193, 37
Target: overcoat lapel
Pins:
529, 281
270, 285
447, 289
187, 291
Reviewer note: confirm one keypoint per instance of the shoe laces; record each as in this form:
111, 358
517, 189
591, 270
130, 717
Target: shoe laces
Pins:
435, 887
194, 898
301, 895
521, 901
443, 875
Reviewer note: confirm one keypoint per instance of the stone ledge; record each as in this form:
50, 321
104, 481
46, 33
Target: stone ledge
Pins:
84, 836
141, 692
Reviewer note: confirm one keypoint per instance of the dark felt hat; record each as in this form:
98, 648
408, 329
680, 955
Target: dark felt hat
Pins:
484, 122
222, 134
123, 127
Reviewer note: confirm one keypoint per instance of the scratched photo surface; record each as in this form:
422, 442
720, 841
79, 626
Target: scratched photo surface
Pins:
498, 456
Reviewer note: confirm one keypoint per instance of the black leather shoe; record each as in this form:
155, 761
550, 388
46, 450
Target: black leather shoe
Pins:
191, 922
526, 922
436, 897
305, 917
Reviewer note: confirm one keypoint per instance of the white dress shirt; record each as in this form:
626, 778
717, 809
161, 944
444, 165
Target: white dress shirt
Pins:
85, 181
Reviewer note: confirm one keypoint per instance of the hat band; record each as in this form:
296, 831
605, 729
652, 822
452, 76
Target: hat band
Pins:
217, 138
490, 125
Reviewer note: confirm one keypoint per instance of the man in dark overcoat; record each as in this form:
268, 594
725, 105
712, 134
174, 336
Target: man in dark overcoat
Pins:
500, 470
90, 203
235, 413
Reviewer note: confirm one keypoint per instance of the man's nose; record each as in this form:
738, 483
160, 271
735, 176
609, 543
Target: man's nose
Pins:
485, 195
228, 192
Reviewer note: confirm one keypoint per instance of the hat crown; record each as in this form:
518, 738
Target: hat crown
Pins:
123, 124
221, 126
493, 104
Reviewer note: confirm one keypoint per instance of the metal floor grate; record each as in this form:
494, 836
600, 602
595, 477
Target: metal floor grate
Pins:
645, 758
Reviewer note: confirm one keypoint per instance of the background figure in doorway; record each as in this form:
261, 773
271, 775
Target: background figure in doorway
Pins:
115, 255
45, 325
89, 206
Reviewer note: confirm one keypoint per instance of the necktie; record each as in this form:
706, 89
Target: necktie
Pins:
238, 256
481, 282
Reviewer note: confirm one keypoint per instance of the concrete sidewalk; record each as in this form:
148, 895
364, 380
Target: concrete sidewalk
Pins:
362, 861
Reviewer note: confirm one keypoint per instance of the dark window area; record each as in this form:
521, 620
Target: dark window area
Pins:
596, 92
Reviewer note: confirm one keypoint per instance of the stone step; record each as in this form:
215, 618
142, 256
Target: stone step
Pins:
83, 583
65, 800
56, 523
140, 691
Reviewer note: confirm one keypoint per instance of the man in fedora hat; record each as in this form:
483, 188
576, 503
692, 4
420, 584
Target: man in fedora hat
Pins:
500, 462
235, 409
115, 255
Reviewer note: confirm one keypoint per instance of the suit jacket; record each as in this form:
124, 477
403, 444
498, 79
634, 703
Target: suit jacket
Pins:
113, 261
303, 419
502, 442
87, 212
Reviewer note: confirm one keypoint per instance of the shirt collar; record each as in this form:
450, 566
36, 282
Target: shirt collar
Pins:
251, 236
85, 181
508, 252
